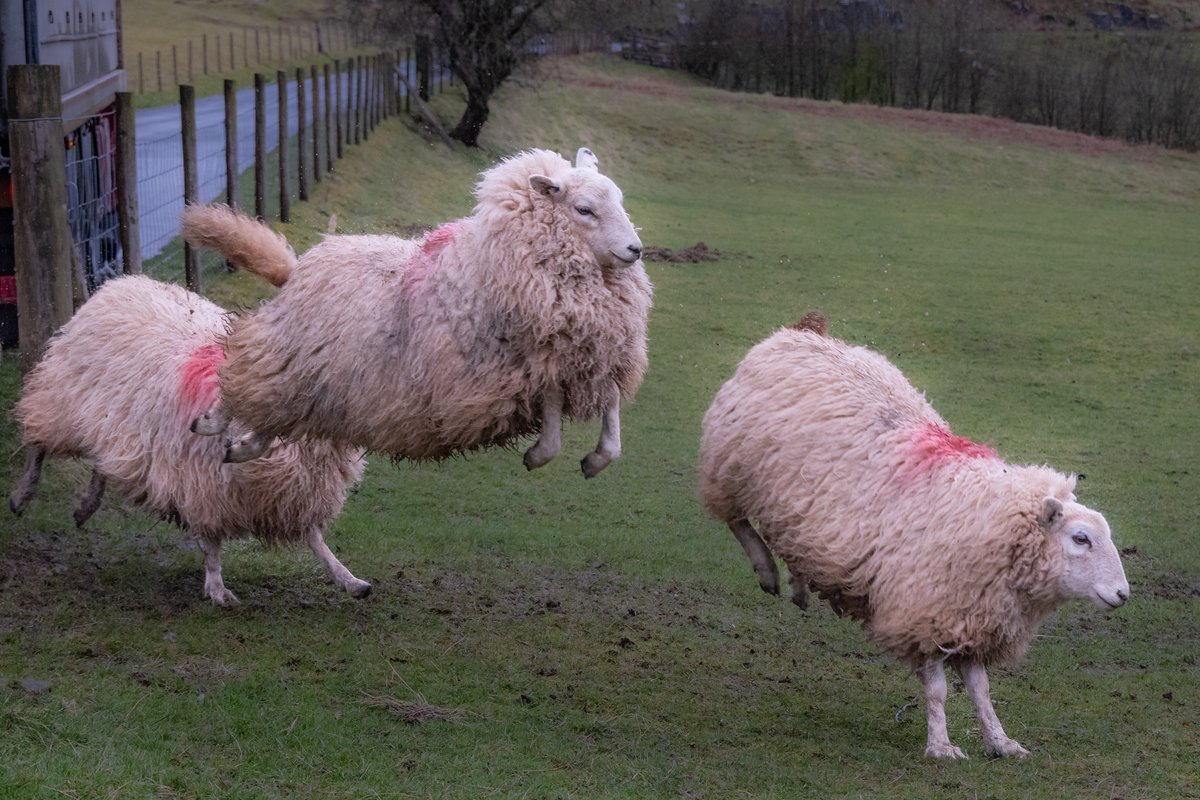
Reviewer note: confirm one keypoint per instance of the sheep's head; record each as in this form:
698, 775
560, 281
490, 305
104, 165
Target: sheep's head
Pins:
1091, 565
595, 204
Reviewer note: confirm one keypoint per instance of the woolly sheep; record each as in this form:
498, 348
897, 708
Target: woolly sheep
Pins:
120, 384
945, 553
487, 329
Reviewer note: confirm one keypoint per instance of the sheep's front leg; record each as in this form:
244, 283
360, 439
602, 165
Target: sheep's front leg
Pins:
760, 557
550, 440
90, 501
214, 586
933, 678
608, 449
23, 492
336, 569
995, 740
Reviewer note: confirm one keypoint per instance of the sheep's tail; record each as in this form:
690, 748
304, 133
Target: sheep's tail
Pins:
245, 241
813, 321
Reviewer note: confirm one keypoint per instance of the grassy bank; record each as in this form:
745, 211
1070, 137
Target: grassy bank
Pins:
604, 638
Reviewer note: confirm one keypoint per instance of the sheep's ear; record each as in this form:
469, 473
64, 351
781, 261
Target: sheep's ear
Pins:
1052, 511
586, 159
543, 185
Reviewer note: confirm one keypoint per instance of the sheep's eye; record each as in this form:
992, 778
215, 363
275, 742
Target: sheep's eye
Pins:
1080, 538
585, 211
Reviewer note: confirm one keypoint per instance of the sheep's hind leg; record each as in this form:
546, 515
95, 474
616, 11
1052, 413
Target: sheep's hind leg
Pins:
214, 586
337, 570
608, 449
799, 589
213, 421
760, 557
995, 740
933, 678
550, 440
26, 486
90, 500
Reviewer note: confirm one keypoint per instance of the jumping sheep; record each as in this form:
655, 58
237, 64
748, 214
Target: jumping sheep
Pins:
120, 384
945, 553
487, 329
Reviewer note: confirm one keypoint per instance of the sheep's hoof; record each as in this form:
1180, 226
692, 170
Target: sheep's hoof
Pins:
946, 750
769, 587
206, 425
222, 597
81, 517
533, 461
799, 592
1009, 748
17, 507
359, 589
244, 449
593, 463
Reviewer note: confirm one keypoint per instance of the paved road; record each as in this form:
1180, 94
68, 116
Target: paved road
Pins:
160, 159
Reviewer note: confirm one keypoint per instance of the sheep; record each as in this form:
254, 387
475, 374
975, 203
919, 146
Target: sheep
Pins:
944, 552
490, 328
120, 384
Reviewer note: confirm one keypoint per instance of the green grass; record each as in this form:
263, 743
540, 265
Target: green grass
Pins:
604, 638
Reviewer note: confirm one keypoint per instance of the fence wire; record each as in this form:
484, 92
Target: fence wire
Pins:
92, 199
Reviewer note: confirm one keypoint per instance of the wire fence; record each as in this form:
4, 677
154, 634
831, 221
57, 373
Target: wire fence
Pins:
92, 199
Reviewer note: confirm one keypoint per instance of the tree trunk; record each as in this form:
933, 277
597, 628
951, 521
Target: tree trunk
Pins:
473, 118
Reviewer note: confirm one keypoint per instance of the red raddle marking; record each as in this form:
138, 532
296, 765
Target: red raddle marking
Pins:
198, 387
933, 443
422, 263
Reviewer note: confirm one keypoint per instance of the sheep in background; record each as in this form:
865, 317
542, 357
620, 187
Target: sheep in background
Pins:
487, 329
120, 384
945, 553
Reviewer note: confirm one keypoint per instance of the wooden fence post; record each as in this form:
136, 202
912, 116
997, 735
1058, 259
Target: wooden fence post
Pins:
353, 135
285, 208
328, 121
260, 145
158, 67
220, 64
408, 79
337, 88
42, 245
175, 64
141, 75
187, 119
231, 150
301, 140
316, 125
127, 197
360, 122
424, 58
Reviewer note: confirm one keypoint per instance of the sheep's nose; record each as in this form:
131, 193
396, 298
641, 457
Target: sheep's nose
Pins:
1122, 595
636, 249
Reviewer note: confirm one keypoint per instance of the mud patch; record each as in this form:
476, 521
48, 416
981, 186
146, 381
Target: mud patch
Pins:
689, 255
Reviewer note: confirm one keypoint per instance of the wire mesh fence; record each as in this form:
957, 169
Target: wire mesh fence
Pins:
92, 199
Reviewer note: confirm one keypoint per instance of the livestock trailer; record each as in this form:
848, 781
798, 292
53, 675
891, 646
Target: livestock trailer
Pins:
83, 37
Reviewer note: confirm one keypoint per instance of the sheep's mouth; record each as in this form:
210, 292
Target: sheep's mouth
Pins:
623, 260
1109, 603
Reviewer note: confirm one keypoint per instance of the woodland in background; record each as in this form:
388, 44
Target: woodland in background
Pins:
1138, 80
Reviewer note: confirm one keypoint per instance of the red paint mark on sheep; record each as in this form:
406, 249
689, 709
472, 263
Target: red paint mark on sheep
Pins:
424, 262
198, 386
933, 443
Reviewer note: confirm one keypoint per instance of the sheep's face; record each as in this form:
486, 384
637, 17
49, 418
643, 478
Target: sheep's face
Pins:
595, 204
1091, 564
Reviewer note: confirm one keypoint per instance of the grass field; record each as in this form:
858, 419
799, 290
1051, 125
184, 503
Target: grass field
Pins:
604, 638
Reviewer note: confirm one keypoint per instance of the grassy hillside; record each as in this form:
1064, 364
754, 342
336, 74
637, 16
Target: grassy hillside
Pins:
604, 638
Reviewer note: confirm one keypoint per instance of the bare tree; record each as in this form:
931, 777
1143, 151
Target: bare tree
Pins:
484, 40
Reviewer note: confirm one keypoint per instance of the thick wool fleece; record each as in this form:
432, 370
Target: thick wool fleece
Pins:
120, 384
424, 348
855, 481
